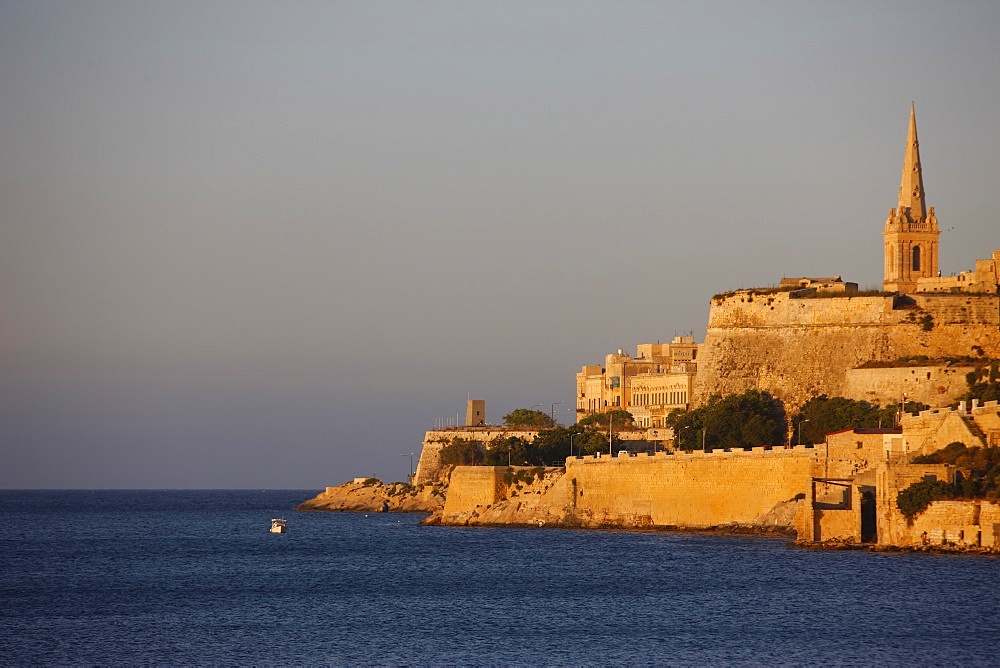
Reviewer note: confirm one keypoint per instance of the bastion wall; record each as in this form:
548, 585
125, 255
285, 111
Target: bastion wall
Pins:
696, 490
798, 348
429, 467
691, 490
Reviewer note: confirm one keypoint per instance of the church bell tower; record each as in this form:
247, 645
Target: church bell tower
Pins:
911, 231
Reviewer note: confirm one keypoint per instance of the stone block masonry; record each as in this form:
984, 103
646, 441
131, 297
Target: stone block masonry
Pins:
800, 348
697, 490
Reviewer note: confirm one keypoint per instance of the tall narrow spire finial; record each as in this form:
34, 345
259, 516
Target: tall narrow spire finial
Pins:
911, 186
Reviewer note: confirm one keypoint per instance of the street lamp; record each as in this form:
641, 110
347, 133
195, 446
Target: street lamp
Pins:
552, 411
800, 431
610, 421
411, 462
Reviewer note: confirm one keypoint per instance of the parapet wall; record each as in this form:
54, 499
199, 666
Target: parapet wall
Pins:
799, 348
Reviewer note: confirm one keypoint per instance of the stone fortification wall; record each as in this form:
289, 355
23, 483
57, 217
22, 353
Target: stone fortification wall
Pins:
932, 430
931, 385
964, 523
474, 487
891, 478
697, 490
690, 490
800, 348
429, 468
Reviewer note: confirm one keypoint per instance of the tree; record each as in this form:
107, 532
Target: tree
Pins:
983, 383
979, 475
914, 499
526, 417
618, 418
462, 452
736, 421
510, 450
824, 415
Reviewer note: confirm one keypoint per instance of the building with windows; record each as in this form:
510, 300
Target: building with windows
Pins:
650, 385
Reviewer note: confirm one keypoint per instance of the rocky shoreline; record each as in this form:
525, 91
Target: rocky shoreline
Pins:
371, 495
949, 549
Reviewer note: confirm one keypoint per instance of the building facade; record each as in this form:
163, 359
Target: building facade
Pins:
650, 385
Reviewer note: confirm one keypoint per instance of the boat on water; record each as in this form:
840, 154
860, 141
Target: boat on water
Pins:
278, 525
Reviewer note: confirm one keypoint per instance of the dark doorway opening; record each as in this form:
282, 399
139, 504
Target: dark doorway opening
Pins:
869, 525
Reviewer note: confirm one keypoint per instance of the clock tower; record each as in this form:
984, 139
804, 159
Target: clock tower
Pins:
911, 231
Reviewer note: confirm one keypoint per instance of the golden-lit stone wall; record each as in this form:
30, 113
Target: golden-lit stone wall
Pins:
800, 348
931, 385
691, 490
474, 486
429, 468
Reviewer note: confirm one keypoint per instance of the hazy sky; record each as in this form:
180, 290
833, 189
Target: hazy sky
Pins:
268, 244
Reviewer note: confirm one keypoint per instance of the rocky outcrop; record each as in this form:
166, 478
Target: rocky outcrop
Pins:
371, 495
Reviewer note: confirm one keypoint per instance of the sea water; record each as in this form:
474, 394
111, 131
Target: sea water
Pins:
195, 577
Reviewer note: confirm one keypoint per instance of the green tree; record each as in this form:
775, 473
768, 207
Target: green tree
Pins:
526, 417
979, 468
463, 452
735, 421
618, 418
914, 499
512, 450
983, 383
590, 441
824, 415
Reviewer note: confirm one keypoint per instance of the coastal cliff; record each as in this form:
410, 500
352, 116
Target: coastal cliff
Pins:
371, 495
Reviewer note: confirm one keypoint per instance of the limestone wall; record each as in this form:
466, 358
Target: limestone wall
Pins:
931, 385
965, 523
892, 477
474, 486
932, 430
800, 348
697, 490
987, 418
690, 490
429, 467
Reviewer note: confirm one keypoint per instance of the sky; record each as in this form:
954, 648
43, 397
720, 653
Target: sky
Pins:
252, 244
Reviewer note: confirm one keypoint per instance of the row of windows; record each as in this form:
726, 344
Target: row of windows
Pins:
659, 398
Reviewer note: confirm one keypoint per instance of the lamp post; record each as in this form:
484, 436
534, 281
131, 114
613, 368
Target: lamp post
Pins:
800, 432
704, 432
411, 463
552, 411
571, 437
610, 420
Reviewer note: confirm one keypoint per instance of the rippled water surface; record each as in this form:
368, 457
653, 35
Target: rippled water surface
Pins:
194, 577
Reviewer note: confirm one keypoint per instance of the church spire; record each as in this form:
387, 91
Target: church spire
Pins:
911, 186
911, 230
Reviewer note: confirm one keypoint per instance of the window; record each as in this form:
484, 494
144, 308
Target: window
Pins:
916, 258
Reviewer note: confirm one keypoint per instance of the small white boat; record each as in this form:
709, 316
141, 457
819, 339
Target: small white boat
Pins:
278, 525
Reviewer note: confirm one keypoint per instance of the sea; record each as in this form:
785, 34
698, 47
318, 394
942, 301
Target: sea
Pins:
195, 578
